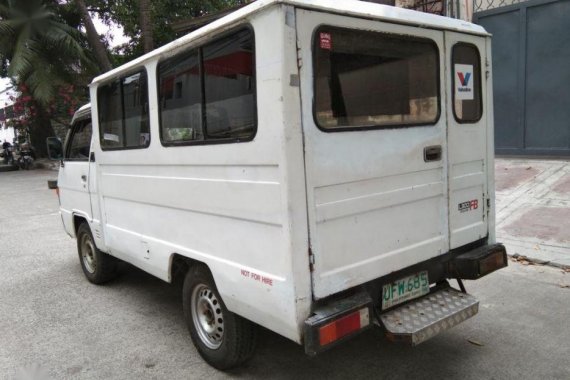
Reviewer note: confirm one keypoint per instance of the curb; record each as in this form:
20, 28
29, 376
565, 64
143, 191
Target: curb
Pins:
36, 165
46, 166
8, 168
535, 261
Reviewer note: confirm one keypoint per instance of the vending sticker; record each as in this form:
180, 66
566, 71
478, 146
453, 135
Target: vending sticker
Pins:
463, 82
326, 41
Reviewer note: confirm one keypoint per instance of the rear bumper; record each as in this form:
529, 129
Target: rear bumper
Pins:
471, 262
477, 263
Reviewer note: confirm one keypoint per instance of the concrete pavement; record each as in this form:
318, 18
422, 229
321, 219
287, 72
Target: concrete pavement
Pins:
533, 209
133, 328
38, 164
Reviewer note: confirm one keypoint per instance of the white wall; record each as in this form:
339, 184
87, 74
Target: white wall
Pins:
5, 93
6, 133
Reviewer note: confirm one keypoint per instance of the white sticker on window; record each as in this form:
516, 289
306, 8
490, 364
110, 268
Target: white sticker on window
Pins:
110, 137
464, 82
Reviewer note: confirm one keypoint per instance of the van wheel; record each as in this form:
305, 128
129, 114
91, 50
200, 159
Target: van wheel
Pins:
97, 266
223, 339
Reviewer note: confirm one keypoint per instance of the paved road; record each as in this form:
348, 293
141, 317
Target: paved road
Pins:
133, 328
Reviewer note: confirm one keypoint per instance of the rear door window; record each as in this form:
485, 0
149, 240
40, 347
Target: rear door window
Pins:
369, 79
467, 101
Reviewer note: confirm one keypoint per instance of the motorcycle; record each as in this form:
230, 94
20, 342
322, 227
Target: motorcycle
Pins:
8, 156
25, 159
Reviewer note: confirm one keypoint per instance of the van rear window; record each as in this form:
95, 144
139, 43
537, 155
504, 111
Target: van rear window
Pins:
369, 79
467, 102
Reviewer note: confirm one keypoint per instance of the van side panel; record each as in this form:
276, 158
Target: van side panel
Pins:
236, 207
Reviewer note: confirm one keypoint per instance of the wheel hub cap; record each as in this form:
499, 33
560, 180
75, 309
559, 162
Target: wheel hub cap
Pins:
88, 254
207, 316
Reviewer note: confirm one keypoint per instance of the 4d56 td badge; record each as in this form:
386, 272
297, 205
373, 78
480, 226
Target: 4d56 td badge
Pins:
468, 206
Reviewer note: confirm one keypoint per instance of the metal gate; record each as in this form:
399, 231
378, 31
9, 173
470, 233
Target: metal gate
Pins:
531, 65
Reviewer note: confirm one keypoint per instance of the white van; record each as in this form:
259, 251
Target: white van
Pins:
313, 167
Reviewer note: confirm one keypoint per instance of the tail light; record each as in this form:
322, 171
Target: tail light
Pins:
337, 320
343, 326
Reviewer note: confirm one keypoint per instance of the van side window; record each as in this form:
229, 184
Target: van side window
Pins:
207, 95
180, 96
80, 142
367, 79
123, 113
466, 71
229, 87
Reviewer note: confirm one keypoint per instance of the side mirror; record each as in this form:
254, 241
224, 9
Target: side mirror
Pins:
54, 148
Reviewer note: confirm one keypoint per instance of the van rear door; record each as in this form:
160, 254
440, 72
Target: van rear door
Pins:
376, 166
467, 138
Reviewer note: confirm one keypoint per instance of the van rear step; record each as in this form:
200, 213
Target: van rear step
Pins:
422, 319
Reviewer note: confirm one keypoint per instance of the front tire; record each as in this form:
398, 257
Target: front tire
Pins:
223, 339
97, 266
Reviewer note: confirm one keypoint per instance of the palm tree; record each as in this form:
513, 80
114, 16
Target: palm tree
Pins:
42, 53
146, 25
94, 39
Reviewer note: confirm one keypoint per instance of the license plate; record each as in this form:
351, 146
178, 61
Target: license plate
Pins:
405, 289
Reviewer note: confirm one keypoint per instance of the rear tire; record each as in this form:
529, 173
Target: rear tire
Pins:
223, 339
97, 266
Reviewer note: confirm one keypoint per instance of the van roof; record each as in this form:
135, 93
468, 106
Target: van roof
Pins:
83, 112
346, 7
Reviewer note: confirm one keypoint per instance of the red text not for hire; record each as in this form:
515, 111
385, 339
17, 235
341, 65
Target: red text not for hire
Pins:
257, 277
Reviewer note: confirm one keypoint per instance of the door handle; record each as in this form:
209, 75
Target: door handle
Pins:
84, 178
432, 153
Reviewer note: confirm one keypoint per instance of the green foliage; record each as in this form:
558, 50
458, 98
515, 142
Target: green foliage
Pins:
61, 108
44, 52
163, 14
42, 47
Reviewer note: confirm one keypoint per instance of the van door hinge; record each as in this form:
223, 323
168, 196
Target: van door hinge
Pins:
311, 260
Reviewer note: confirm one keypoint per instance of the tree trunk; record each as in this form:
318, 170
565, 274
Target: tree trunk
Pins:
146, 25
40, 130
93, 38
